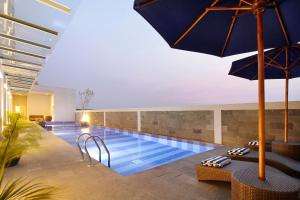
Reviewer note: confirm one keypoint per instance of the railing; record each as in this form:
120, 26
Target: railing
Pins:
78, 143
94, 138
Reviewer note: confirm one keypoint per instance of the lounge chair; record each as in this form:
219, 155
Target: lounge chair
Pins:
284, 164
205, 173
290, 149
238, 171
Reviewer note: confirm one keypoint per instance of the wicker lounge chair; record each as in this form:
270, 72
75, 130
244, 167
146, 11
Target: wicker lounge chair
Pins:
205, 173
284, 164
247, 184
290, 149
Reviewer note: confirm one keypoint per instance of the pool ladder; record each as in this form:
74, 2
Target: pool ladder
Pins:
94, 138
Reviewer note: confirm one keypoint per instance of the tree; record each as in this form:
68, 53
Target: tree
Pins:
85, 98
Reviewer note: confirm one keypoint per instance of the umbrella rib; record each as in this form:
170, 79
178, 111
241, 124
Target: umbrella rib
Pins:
246, 2
230, 29
254, 77
270, 64
294, 64
274, 62
297, 47
283, 27
145, 3
225, 8
195, 23
255, 61
211, 8
244, 67
274, 57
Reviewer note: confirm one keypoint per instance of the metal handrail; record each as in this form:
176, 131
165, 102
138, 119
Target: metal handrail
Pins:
78, 144
102, 142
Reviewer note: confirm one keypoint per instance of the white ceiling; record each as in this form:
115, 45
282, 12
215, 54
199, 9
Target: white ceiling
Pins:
29, 31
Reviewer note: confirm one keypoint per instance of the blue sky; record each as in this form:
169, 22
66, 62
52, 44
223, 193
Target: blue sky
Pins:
112, 50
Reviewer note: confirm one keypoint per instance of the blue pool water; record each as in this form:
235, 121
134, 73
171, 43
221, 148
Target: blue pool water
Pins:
132, 152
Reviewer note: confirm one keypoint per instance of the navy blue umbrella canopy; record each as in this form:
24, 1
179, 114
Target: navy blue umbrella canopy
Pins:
194, 25
224, 28
275, 64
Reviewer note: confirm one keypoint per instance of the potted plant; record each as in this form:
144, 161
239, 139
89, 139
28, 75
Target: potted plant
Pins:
20, 188
85, 99
23, 135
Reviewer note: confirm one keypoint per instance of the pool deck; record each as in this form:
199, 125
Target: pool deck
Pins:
58, 163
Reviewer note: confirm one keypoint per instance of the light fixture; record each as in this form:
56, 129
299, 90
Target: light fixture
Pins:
28, 24
9, 37
18, 109
55, 5
20, 61
18, 67
85, 118
22, 52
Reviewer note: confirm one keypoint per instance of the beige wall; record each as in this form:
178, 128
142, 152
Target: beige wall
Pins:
96, 118
63, 102
196, 125
240, 126
122, 120
21, 101
39, 104
235, 124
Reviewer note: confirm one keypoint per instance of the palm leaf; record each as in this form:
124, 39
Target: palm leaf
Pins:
18, 137
21, 189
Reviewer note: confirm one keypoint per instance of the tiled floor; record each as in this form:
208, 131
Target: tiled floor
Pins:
57, 163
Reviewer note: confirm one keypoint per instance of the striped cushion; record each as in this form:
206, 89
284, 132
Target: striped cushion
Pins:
238, 151
253, 143
216, 161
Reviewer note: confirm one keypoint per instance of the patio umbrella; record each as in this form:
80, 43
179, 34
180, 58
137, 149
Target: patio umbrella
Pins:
280, 63
227, 27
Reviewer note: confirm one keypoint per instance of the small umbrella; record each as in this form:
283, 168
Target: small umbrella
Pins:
200, 26
280, 63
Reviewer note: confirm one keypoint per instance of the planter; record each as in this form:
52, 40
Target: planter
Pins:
42, 123
13, 162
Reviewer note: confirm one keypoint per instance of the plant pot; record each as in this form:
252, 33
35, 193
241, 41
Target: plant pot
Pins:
13, 162
42, 124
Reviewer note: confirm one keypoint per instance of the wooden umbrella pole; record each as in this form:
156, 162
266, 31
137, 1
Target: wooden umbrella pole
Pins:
286, 113
261, 95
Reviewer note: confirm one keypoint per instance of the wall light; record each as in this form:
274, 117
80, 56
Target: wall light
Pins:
55, 5
85, 118
18, 109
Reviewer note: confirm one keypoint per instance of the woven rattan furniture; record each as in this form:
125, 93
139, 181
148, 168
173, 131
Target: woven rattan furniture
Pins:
284, 164
290, 149
245, 185
205, 173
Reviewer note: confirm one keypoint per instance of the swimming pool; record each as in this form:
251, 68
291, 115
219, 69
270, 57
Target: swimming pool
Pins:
132, 152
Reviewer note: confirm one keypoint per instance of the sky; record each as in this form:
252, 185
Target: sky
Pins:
111, 49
